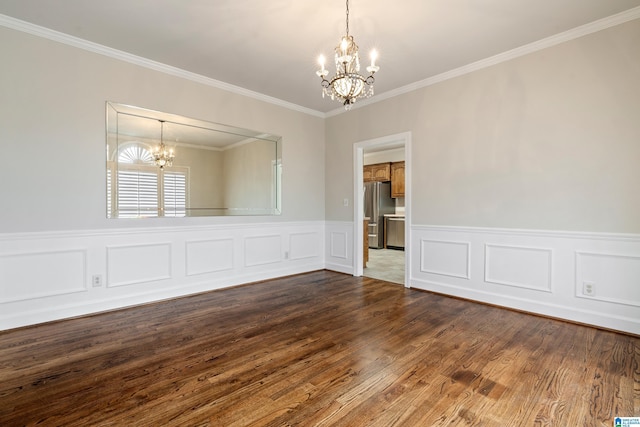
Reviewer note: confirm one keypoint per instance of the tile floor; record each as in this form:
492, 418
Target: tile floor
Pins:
386, 264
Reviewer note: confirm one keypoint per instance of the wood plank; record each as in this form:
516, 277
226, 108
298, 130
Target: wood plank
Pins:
317, 349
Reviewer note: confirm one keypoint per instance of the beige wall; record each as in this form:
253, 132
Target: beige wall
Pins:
52, 131
205, 176
249, 175
550, 140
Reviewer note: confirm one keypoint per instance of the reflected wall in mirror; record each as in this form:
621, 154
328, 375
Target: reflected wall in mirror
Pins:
217, 170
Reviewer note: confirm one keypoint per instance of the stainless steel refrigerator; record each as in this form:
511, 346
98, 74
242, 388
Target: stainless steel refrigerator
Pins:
377, 203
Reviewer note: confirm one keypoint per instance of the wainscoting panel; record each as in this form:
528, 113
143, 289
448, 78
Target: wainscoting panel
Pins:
445, 258
612, 276
260, 250
541, 272
339, 247
27, 276
132, 264
518, 266
44, 276
48, 276
208, 256
304, 245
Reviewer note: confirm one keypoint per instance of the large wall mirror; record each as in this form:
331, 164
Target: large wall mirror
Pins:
161, 164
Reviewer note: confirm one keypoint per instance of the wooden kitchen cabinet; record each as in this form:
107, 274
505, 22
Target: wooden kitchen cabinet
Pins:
397, 179
377, 172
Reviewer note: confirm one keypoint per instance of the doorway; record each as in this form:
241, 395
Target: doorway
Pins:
401, 142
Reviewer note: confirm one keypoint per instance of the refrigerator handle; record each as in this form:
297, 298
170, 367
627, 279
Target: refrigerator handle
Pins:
376, 201
364, 200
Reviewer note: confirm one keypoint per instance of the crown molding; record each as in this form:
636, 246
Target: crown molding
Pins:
574, 33
554, 40
36, 30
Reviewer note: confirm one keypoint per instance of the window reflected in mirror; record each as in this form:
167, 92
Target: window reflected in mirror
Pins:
164, 165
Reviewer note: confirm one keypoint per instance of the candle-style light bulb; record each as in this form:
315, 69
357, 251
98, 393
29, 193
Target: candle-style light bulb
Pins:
321, 72
343, 45
373, 68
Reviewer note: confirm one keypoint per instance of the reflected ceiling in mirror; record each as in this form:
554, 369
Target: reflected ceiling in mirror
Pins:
216, 170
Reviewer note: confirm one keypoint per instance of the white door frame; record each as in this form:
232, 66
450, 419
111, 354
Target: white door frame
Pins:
358, 199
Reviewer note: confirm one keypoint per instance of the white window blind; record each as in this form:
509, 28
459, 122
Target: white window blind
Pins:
137, 193
175, 194
109, 192
143, 190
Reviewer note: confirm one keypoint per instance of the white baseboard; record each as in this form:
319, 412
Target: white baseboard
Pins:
339, 268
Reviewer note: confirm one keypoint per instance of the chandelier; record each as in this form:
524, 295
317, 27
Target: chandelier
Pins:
161, 155
348, 84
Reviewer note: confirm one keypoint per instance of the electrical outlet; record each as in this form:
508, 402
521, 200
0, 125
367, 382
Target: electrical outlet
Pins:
588, 288
345, 202
286, 255
96, 280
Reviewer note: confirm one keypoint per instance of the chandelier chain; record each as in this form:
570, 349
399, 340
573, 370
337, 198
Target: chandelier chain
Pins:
347, 18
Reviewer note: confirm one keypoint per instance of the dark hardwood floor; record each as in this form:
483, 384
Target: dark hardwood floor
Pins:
317, 349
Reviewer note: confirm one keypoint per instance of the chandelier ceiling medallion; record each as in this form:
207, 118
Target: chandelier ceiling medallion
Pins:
162, 156
348, 84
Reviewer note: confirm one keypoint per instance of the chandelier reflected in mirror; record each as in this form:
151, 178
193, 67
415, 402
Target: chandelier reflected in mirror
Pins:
162, 156
348, 84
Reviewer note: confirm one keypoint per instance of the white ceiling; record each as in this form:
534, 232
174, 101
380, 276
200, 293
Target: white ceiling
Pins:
271, 46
